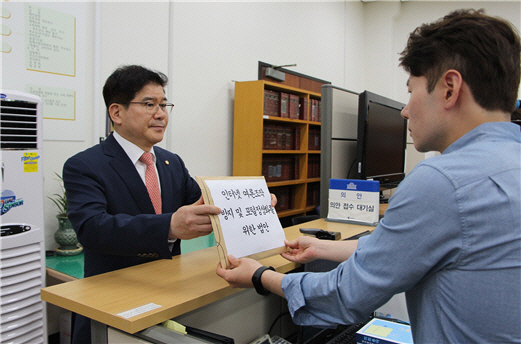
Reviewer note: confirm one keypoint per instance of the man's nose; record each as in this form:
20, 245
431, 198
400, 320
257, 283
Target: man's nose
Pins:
405, 112
160, 113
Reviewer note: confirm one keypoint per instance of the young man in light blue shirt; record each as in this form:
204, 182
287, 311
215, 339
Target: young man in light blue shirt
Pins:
451, 237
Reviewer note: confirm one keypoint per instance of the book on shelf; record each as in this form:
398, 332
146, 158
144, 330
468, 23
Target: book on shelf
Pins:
271, 103
294, 106
284, 105
319, 110
280, 137
314, 166
304, 109
314, 139
314, 110
279, 168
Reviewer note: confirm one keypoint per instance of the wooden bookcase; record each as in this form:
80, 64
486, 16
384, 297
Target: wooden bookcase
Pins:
249, 154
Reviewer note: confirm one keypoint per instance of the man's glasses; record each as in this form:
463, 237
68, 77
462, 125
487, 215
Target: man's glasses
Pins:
153, 107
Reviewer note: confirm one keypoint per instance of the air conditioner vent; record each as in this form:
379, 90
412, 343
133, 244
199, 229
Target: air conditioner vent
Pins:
19, 128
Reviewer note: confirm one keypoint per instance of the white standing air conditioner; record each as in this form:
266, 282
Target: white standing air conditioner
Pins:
22, 252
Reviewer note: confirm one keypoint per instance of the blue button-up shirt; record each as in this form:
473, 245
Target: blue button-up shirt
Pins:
450, 239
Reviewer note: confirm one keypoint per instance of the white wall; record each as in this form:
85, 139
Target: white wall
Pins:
217, 43
388, 25
205, 46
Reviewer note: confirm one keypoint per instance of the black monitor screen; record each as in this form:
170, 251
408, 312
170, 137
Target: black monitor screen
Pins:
381, 140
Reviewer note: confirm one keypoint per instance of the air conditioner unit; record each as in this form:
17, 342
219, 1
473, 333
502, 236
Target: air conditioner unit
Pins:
22, 251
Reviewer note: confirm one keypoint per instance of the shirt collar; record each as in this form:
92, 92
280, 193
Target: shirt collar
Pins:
497, 131
133, 151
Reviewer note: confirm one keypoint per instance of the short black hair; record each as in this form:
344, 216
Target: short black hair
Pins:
126, 81
485, 50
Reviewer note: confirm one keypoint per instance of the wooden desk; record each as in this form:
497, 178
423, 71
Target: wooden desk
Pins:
182, 284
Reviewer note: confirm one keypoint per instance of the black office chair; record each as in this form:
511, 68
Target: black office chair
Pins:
302, 219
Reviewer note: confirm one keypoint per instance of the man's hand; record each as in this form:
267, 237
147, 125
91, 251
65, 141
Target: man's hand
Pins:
305, 249
192, 221
302, 250
241, 273
273, 200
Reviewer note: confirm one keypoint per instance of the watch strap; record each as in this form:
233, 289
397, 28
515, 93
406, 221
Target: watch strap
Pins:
256, 280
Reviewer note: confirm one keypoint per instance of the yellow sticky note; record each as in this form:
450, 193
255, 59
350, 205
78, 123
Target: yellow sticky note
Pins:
378, 330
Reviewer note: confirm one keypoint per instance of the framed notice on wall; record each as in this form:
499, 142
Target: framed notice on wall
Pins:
248, 225
44, 52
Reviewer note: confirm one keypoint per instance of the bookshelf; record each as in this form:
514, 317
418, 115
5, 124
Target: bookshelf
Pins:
285, 150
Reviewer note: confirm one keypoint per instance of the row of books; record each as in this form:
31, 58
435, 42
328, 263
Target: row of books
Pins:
278, 168
314, 139
287, 105
281, 137
314, 166
287, 168
285, 198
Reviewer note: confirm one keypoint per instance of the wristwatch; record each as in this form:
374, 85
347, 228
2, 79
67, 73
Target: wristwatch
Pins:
256, 280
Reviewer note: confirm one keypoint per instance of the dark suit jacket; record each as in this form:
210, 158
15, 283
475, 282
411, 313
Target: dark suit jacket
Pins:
111, 211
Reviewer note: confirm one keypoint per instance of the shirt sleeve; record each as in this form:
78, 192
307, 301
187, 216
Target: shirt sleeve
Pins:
411, 241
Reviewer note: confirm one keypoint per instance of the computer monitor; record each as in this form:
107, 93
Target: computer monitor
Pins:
381, 140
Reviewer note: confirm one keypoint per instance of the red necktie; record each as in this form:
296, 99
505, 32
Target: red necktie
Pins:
151, 181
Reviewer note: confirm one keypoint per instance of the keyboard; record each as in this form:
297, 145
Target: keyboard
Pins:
348, 336
279, 340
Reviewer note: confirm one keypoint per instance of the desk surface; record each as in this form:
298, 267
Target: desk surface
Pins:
178, 285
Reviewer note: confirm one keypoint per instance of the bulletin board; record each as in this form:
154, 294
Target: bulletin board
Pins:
248, 225
44, 52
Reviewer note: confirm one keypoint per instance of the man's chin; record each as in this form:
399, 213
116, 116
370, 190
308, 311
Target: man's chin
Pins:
157, 137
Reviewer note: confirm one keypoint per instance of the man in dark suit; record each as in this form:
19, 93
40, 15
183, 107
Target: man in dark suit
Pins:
108, 202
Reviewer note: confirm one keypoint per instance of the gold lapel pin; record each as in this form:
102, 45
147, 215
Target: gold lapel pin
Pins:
166, 162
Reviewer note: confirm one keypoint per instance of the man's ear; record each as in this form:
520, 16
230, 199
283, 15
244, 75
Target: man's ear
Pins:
452, 82
115, 111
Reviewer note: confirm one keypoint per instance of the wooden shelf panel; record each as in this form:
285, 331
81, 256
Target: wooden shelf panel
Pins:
286, 151
286, 183
312, 180
295, 211
289, 120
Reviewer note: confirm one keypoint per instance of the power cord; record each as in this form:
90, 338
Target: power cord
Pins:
275, 321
